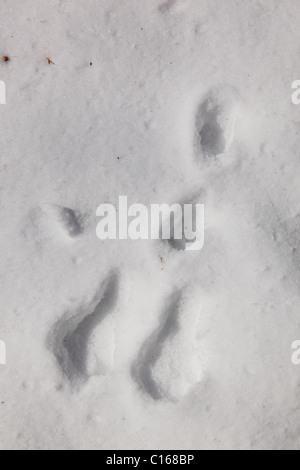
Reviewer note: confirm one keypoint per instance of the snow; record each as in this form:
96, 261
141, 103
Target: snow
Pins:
138, 344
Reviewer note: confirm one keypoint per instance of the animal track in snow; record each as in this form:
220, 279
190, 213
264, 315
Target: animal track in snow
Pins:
164, 368
84, 344
183, 243
167, 6
215, 123
181, 225
66, 220
174, 7
178, 244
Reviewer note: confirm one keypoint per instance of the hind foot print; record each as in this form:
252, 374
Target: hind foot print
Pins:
215, 123
84, 344
167, 367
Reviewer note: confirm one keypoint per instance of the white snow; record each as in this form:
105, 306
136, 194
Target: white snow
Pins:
140, 344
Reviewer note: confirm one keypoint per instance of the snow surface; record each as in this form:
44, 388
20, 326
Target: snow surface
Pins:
139, 344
